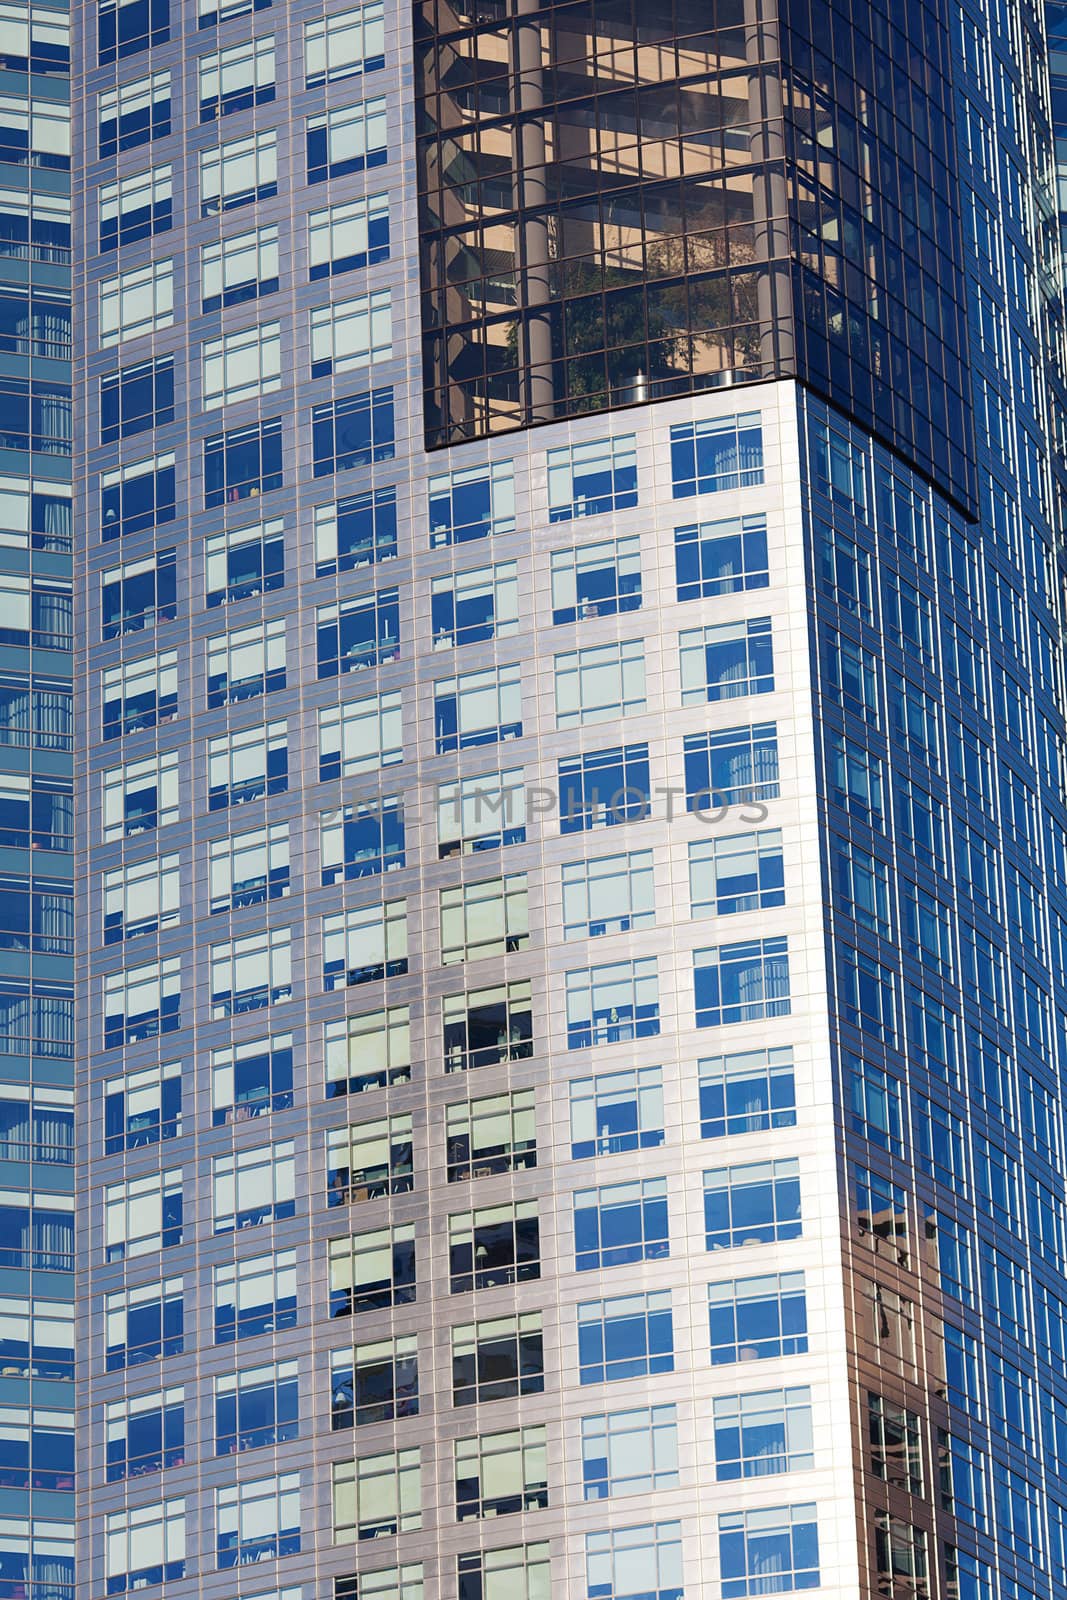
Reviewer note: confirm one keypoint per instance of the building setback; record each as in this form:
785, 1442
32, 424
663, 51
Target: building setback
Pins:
571, 846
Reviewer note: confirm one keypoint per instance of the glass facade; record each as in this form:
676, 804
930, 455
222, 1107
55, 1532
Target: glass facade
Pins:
459, 1125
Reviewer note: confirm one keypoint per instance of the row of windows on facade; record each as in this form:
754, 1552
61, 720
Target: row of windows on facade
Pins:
340, 45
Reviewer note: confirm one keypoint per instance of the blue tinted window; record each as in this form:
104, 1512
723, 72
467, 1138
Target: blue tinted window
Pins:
757, 1319
353, 432
603, 788
628, 1337
709, 456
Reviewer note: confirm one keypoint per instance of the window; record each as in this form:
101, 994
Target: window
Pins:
895, 1438
36, 914
137, 498
34, 132
36, 613
754, 1204
145, 1433
733, 766
479, 920
631, 1336
141, 796
344, 44
619, 1223
341, 238
720, 453
769, 1551
253, 1186
242, 268
259, 1406
635, 1563
241, 365
372, 1270
34, 39
145, 1545
38, 1448
586, 480
37, 1124
900, 1553
604, 788
483, 1027
244, 563
136, 207
133, 114
210, 14
599, 684
256, 1294
369, 1160
472, 503
258, 1520
138, 595
496, 1134
37, 1338
363, 840
37, 227
613, 1003
741, 982
37, 1230
358, 633
740, 872
866, 994
237, 78
371, 1051
757, 1434
35, 513
355, 532
596, 580
350, 334
839, 469
617, 1111
750, 1092
353, 431
349, 139
377, 1496
881, 1214
36, 813
501, 1473
384, 1583
126, 26
613, 894
238, 172
243, 463
251, 1079
246, 663
484, 812
248, 868
35, 321
364, 944
143, 1215
850, 677
252, 972
861, 886
144, 1323
495, 1245
142, 1002
247, 765
717, 558
477, 708
726, 661
136, 398
757, 1319
519, 1572
136, 302
843, 568
855, 778
630, 1452
498, 1359
374, 1383
143, 1108
360, 736
474, 606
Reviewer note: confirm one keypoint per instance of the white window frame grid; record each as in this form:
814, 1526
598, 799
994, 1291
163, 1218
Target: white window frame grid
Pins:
120, 102
361, 128
117, 1415
239, 366
363, 734
640, 1086
347, 1044
224, 1063
155, 1531
240, 1508
164, 977
599, 683
119, 1304
592, 902
500, 684
504, 1124
225, 857
382, 928
229, 650
622, 555
391, 1481
243, 1278
348, 335
220, 162
639, 1448
489, 918
500, 580
512, 1462
259, 1179
337, 232
150, 187
269, 953
615, 453
226, 263
364, 1145
144, 1088
146, 895
136, 302
338, 46
137, 1204
119, 781
229, 751
501, 796
713, 860
253, 57
219, 547
24, 26
499, 475
649, 1556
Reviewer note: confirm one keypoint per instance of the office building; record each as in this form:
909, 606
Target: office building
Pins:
571, 840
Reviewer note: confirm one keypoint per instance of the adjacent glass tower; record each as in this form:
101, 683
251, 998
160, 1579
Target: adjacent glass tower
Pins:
571, 847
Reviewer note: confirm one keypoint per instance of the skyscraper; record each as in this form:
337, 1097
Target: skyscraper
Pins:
571, 843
